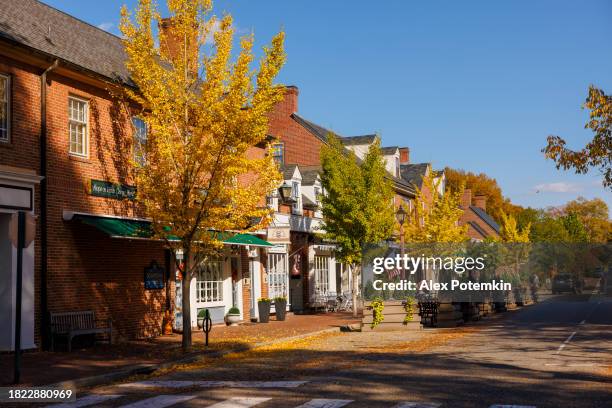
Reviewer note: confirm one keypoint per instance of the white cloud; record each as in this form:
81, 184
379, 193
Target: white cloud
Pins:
559, 187
106, 26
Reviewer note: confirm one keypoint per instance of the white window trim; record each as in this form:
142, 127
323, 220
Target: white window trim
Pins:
86, 141
8, 108
296, 207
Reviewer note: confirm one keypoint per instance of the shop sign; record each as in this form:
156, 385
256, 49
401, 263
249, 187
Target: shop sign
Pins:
154, 276
106, 189
281, 235
277, 249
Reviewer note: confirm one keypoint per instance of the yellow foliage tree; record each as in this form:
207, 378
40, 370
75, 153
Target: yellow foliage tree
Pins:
204, 112
435, 217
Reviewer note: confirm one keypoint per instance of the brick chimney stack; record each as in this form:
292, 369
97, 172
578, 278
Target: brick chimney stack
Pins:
466, 198
480, 201
404, 155
291, 99
172, 44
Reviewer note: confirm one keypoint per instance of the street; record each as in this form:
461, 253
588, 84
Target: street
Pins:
555, 353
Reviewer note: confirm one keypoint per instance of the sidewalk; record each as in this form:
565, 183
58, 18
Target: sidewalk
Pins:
39, 368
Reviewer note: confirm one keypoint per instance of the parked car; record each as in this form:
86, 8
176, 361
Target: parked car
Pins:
566, 283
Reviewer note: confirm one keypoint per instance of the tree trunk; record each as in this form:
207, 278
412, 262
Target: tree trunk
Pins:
354, 275
186, 289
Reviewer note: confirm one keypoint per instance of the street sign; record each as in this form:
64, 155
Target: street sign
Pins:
30, 229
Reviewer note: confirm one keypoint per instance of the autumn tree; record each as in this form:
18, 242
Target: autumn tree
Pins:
357, 204
593, 215
435, 217
205, 111
598, 152
482, 184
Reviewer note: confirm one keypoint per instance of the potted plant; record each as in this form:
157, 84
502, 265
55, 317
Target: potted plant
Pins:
201, 314
232, 318
263, 304
280, 306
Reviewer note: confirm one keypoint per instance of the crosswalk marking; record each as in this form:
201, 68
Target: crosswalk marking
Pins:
211, 384
417, 405
325, 403
161, 401
240, 402
86, 401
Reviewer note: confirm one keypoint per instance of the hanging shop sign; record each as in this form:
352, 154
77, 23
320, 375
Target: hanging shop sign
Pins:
16, 197
279, 235
107, 189
154, 276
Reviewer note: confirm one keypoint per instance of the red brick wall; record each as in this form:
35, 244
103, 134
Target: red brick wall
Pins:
301, 146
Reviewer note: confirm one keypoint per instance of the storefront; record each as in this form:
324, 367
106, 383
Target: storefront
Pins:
17, 188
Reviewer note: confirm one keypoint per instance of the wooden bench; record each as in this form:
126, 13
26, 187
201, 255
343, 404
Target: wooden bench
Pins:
73, 324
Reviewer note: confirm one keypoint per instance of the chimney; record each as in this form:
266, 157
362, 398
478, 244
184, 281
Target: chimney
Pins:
466, 198
480, 201
404, 155
172, 44
290, 102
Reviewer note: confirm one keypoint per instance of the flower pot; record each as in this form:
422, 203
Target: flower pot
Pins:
280, 307
200, 322
232, 319
264, 312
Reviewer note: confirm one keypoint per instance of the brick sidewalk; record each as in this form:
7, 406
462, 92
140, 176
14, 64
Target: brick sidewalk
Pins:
40, 368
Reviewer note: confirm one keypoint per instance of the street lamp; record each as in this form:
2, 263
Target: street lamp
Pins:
400, 215
285, 192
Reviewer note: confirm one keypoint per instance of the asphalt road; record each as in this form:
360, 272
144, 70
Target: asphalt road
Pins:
557, 353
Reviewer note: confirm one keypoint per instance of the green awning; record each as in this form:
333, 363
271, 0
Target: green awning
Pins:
247, 239
118, 227
141, 229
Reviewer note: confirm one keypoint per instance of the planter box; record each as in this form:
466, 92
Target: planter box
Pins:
280, 309
264, 311
394, 314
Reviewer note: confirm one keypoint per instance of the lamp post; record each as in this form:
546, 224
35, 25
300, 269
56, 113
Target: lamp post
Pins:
400, 215
285, 192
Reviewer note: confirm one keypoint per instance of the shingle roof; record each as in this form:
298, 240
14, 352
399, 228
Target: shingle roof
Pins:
414, 173
485, 217
389, 150
319, 131
478, 229
55, 33
358, 140
287, 170
310, 174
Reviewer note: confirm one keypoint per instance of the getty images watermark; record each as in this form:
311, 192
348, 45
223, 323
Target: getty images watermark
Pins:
405, 265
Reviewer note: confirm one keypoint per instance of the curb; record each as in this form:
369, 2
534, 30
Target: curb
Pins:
141, 369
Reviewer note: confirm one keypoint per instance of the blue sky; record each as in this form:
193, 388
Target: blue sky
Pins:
476, 85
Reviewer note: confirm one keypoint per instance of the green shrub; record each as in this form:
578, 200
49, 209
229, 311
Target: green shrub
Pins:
280, 299
234, 311
201, 313
264, 300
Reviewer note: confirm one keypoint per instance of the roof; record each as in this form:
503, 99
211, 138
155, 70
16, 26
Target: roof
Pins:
485, 217
288, 170
389, 150
308, 203
478, 229
413, 173
57, 34
310, 174
319, 131
358, 140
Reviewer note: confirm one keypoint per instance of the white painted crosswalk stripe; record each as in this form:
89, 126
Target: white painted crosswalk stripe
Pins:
417, 405
325, 403
87, 401
161, 401
212, 384
239, 402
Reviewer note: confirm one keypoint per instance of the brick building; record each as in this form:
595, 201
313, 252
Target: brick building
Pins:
480, 224
65, 146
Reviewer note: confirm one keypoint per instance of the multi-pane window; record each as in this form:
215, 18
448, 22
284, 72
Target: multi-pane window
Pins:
140, 139
278, 152
278, 276
5, 120
209, 281
321, 275
296, 207
77, 126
